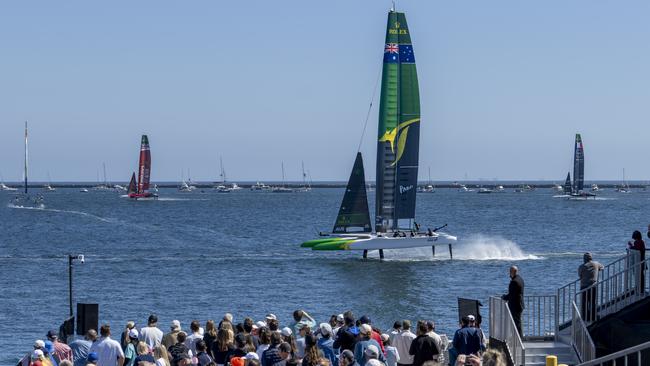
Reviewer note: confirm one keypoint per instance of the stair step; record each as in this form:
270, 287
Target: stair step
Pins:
536, 352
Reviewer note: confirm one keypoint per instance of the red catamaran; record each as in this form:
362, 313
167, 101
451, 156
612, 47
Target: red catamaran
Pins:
140, 189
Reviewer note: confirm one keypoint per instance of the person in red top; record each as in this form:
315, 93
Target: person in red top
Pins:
639, 245
61, 350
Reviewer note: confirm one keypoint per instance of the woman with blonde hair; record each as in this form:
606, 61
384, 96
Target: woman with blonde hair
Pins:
227, 326
161, 356
143, 354
210, 336
223, 345
493, 357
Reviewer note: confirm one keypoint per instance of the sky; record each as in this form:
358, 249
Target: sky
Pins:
504, 86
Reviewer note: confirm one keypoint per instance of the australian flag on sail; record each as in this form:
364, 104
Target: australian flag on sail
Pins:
395, 53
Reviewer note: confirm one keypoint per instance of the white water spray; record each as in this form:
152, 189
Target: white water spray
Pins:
475, 247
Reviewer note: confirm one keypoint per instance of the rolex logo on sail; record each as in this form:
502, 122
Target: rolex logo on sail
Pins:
403, 189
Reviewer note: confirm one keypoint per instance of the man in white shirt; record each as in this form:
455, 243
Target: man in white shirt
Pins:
403, 344
150, 334
397, 328
196, 336
431, 328
109, 352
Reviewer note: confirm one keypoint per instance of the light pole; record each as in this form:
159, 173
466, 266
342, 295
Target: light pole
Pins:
71, 258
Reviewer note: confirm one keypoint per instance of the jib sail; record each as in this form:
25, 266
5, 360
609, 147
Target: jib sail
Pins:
354, 215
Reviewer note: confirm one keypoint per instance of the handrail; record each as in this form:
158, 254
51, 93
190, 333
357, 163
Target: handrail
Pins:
539, 318
614, 293
502, 327
580, 337
625, 354
567, 293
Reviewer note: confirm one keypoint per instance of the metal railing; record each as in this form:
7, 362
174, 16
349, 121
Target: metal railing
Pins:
567, 293
502, 327
580, 337
629, 356
613, 293
540, 317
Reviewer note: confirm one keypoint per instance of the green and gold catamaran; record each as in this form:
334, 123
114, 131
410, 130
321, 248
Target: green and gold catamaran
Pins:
397, 163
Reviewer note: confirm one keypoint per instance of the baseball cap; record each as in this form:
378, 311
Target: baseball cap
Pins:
252, 356
471, 318
37, 354
261, 324
39, 344
385, 337
49, 346
176, 325
52, 333
271, 316
340, 318
130, 324
92, 357
286, 331
347, 354
365, 329
325, 329
133, 333
372, 351
365, 320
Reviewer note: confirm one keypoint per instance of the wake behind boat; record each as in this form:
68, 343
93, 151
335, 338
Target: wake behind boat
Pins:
397, 164
139, 190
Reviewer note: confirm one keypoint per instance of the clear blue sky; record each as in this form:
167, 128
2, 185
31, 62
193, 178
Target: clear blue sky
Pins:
505, 85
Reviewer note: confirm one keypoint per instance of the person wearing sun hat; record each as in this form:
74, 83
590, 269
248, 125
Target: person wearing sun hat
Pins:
171, 338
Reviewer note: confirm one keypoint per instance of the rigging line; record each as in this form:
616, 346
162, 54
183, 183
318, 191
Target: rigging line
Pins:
365, 125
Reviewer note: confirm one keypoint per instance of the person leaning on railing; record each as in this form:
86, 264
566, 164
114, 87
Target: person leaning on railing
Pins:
588, 273
638, 245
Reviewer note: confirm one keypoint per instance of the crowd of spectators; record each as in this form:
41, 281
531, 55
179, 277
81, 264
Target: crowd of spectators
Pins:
341, 341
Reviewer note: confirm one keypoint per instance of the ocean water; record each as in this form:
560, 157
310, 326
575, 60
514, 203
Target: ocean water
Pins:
198, 255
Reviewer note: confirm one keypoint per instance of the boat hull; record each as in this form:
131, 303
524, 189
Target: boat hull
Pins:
373, 241
143, 196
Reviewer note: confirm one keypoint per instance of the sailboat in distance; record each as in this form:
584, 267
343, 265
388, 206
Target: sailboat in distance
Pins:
25, 200
576, 190
139, 190
397, 164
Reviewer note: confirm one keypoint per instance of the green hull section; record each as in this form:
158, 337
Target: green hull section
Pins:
328, 244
